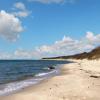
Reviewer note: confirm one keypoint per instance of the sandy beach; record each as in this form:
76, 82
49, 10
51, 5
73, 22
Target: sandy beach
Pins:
79, 80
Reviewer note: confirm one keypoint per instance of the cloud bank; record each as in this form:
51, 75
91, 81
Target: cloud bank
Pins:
10, 26
65, 46
69, 46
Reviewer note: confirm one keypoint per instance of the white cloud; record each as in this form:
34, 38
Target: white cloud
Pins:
22, 53
69, 46
21, 13
10, 26
92, 38
53, 1
20, 5
28, 54
22, 10
66, 46
5, 55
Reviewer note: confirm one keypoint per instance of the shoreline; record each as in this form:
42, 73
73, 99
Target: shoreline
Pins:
78, 81
17, 86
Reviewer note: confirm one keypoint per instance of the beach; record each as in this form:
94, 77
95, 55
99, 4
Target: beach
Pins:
79, 80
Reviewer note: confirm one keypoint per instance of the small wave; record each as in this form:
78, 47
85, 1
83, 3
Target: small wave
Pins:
45, 74
16, 86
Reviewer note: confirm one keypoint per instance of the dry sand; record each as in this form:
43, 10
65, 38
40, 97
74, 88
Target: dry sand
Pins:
78, 81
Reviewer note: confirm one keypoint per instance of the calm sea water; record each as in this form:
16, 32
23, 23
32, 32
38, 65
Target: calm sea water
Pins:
15, 74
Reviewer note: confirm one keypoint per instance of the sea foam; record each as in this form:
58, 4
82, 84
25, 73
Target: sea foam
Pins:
16, 86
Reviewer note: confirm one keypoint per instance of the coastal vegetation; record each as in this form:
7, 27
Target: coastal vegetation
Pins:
94, 54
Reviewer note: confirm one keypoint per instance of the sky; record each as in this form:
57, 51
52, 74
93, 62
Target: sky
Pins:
32, 29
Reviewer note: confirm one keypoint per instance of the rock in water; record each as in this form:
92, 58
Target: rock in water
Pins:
51, 67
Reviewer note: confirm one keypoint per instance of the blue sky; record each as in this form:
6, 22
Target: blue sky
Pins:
42, 23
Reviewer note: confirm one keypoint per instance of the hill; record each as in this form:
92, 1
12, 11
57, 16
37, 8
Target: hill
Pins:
94, 54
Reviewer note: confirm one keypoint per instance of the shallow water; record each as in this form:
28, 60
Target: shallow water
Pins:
17, 74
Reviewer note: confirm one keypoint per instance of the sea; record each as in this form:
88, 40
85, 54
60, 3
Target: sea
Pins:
18, 74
